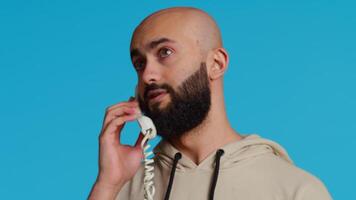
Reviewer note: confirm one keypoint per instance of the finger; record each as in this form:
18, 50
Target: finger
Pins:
113, 130
126, 103
120, 111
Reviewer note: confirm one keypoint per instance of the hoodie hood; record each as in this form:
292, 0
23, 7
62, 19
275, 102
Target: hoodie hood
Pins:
248, 147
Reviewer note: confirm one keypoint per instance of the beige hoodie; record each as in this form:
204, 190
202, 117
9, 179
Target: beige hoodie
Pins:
250, 169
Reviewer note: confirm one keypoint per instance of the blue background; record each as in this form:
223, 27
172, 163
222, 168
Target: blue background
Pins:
291, 79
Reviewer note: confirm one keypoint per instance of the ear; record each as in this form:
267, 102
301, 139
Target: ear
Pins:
219, 63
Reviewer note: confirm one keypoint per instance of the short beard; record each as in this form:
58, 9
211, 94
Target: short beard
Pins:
188, 108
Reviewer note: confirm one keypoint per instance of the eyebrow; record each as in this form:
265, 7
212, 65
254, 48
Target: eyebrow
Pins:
153, 44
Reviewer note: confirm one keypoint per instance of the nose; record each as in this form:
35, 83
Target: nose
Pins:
151, 73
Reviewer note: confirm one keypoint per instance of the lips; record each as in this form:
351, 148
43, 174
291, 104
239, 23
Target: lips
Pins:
152, 94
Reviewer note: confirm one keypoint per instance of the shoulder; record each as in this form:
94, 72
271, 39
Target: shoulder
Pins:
303, 184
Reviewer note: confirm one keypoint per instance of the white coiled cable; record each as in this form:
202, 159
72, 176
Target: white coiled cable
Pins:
148, 170
149, 131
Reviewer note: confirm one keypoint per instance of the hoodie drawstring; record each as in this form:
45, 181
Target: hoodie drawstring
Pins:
178, 156
219, 153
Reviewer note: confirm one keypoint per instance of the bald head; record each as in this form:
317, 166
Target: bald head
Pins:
172, 44
184, 23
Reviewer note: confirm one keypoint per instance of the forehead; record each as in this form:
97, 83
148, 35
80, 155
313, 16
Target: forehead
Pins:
172, 27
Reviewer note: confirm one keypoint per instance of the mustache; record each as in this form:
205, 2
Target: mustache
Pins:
154, 86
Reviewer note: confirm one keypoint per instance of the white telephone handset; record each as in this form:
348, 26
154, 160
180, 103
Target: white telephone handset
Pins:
149, 131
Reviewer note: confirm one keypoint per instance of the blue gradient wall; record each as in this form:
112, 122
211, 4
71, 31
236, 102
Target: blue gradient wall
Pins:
291, 79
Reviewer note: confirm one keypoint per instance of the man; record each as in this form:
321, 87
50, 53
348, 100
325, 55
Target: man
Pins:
180, 62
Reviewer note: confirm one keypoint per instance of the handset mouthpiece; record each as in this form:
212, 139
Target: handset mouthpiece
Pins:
147, 126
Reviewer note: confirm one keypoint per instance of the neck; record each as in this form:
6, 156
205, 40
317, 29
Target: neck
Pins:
214, 132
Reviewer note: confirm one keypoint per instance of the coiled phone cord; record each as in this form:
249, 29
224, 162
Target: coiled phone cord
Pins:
149, 189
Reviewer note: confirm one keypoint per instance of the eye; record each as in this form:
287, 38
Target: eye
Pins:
164, 52
139, 64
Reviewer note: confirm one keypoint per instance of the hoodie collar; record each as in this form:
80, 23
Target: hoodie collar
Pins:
249, 146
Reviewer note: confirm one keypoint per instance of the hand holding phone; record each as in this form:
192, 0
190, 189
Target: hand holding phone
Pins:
118, 162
